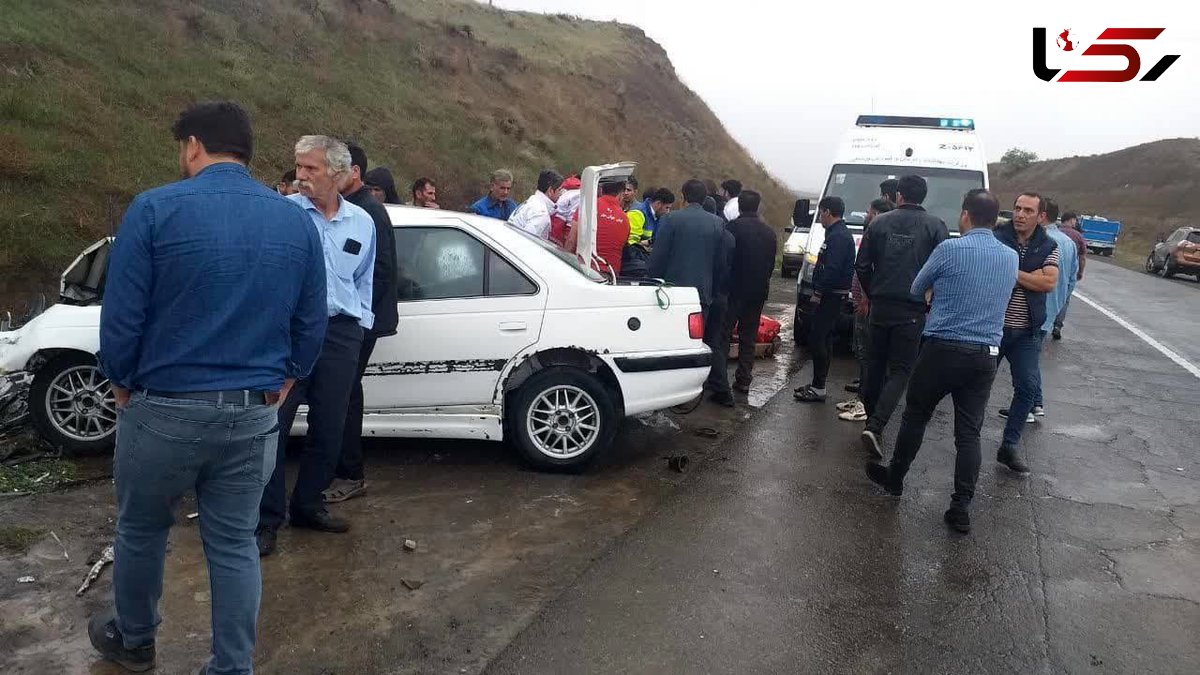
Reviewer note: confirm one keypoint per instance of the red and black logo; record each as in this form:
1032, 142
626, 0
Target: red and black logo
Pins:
1105, 45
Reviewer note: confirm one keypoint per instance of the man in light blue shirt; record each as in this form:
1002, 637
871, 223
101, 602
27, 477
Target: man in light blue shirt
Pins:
1068, 276
347, 235
971, 279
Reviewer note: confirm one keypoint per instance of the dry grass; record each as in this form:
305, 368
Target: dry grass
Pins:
450, 90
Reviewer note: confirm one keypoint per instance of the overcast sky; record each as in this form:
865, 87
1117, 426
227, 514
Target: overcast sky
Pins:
787, 76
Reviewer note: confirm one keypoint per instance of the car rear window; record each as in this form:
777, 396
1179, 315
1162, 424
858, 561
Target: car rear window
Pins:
1194, 237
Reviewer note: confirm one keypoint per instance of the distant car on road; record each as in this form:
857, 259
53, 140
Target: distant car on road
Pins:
1176, 254
793, 246
1100, 234
501, 335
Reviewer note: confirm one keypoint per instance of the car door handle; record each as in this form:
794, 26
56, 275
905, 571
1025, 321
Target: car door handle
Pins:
513, 326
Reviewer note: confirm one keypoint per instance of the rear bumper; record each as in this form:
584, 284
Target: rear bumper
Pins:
653, 381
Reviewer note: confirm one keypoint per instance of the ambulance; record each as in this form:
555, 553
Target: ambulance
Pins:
945, 151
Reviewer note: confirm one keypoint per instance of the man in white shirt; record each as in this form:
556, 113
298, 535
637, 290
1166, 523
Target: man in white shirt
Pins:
730, 190
534, 215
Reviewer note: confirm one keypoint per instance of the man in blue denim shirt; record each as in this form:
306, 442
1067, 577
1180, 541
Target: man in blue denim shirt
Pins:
348, 237
214, 306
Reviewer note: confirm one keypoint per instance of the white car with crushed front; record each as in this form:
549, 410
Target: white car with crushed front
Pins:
501, 335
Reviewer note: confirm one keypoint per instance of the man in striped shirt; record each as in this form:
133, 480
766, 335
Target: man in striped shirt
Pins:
1022, 343
971, 279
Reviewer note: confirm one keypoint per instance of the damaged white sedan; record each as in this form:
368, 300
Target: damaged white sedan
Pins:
501, 336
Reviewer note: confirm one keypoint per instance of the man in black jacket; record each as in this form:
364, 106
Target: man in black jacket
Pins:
894, 249
1025, 316
831, 285
755, 245
692, 248
350, 480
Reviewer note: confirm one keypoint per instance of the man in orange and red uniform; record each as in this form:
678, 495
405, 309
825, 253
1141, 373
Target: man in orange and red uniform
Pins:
612, 226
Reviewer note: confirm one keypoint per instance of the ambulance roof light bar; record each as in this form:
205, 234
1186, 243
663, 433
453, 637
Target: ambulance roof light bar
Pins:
954, 123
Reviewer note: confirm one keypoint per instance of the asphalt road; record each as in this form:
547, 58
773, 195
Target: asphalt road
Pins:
782, 557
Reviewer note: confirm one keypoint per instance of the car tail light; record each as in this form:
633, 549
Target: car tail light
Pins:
696, 326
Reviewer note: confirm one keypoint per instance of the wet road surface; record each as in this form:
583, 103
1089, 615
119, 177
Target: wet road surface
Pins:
772, 554
782, 557
496, 541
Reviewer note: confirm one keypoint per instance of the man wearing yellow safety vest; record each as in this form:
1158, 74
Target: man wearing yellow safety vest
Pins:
642, 220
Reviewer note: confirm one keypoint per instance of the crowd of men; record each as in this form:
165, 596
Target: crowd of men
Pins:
229, 304
934, 316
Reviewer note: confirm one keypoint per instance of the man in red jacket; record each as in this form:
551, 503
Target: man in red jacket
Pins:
612, 229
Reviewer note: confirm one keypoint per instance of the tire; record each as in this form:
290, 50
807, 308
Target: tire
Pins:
799, 327
537, 437
72, 405
1107, 253
1150, 266
788, 272
1168, 270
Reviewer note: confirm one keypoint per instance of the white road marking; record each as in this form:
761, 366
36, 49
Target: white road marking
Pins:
1165, 350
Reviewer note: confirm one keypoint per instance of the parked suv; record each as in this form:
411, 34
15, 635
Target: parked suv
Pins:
1176, 254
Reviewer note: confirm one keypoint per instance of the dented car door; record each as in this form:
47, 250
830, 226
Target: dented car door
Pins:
465, 310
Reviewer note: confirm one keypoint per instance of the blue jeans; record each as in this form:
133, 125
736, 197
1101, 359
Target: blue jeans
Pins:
226, 453
1023, 349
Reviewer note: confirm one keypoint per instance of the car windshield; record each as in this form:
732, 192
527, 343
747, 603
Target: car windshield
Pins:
1194, 237
858, 186
569, 259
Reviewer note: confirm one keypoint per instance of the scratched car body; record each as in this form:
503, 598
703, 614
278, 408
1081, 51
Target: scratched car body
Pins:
501, 336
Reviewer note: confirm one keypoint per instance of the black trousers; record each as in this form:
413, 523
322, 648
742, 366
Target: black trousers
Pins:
744, 312
327, 392
965, 374
350, 464
820, 335
892, 349
714, 330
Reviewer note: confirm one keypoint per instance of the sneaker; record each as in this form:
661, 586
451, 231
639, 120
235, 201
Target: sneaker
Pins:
958, 519
1009, 458
741, 388
106, 638
848, 404
1029, 419
872, 444
856, 414
881, 476
1038, 411
1056, 334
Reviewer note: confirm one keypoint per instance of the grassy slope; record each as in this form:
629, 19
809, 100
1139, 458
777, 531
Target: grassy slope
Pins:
446, 89
1150, 188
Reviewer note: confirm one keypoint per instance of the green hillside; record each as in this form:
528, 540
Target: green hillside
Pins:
445, 89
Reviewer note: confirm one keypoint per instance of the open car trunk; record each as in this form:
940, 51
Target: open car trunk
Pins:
83, 280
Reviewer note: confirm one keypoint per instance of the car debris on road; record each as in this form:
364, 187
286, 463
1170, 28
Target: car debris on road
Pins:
105, 558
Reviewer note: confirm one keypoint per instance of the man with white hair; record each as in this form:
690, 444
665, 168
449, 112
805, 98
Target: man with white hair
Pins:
348, 239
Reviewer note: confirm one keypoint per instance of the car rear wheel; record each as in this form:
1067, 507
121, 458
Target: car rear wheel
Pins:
1151, 268
1168, 269
72, 405
562, 418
